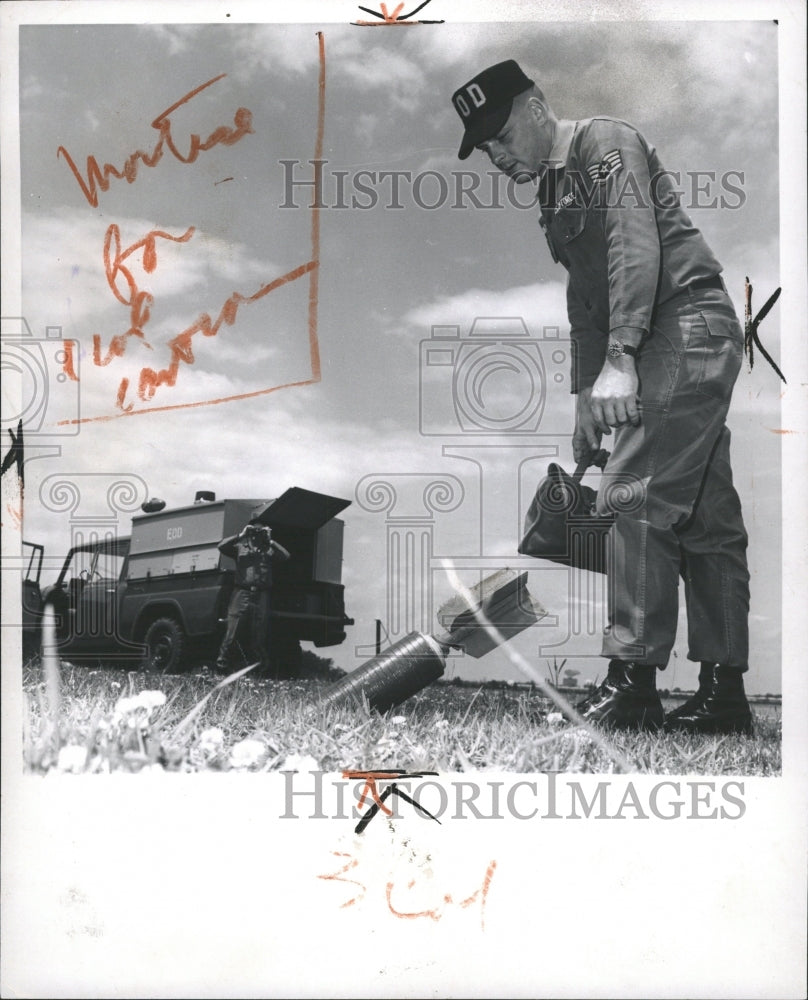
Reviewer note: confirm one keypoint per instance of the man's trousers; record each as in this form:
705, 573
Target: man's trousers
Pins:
669, 481
256, 606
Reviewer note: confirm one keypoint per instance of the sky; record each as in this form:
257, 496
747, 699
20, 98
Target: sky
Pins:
395, 276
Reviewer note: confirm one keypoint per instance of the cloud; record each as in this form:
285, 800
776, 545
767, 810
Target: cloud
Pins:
541, 305
31, 88
176, 38
64, 254
392, 78
92, 120
365, 127
279, 50
439, 47
385, 74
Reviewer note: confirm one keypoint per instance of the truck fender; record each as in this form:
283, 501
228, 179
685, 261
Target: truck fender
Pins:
154, 610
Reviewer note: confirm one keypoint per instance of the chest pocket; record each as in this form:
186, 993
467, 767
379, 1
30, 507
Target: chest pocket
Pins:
569, 223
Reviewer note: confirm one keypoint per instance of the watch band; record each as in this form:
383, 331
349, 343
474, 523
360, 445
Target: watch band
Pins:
617, 349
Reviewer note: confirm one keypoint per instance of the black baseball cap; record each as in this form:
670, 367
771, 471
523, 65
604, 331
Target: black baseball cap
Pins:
484, 103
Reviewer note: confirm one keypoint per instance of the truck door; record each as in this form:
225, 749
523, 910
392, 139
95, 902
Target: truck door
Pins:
31, 594
31, 597
88, 601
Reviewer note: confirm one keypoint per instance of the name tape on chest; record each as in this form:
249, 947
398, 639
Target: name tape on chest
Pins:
565, 202
610, 164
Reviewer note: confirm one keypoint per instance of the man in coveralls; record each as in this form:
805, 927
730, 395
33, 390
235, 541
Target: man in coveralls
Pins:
657, 349
253, 549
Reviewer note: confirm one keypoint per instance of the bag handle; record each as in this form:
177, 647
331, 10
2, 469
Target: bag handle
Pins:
598, 458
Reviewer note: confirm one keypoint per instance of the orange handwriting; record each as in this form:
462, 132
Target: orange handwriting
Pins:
181, 347
139, 302
370, 783
397, 909
69, 363
440, 909
337, 877
396, 17
125, 289
99, 177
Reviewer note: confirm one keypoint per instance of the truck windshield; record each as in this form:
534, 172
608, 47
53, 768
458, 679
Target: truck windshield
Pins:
94, 564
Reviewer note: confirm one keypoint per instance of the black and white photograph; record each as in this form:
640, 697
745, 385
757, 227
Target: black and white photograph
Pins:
403, 415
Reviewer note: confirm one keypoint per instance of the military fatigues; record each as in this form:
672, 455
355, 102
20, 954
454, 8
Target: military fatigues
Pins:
251, 596
638, 268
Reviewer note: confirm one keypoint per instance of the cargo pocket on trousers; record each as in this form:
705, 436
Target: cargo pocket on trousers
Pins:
722, 355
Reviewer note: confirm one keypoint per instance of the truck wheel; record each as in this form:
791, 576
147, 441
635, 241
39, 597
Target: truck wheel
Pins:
165, 645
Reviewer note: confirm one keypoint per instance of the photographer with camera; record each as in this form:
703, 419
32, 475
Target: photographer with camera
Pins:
658, 348
253, 550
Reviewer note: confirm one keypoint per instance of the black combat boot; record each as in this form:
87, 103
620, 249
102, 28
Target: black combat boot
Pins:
627, 699
696, 701
723, 710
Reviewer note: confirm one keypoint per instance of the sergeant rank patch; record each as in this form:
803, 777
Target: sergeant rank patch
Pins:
609, 165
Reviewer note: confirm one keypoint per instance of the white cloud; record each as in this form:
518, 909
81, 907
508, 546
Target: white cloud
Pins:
31, 88
541, 305
92, 119
288, 50
65, 260
175, 37
292, 51
396, 80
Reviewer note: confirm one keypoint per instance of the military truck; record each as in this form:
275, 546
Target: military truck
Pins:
159, 596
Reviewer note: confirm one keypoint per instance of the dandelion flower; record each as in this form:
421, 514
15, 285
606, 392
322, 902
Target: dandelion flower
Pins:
555, 719
248, 753
398, 720
298, 762
211, 741
149, 700
72, 759
136, 711
123, 706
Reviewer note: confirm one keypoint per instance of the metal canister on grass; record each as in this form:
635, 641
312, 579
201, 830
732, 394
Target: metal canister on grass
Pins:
394, 675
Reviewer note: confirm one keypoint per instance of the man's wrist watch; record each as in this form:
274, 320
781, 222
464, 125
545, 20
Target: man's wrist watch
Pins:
617, 349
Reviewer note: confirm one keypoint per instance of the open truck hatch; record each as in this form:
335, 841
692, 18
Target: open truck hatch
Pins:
299, 508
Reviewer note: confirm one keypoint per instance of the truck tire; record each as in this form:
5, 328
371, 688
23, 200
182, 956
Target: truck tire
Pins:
165, 646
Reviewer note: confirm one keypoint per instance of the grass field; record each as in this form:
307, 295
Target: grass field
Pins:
104, 719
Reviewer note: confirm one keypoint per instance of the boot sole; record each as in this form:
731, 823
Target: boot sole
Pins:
647, 721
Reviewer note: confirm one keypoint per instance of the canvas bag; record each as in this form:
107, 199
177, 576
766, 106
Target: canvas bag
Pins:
562, 524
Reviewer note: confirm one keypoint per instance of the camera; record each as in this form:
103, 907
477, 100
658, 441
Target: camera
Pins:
493, 380
259, 531
46, 372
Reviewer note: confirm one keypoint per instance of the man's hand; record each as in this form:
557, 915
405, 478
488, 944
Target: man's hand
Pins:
614, 401
586, 437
